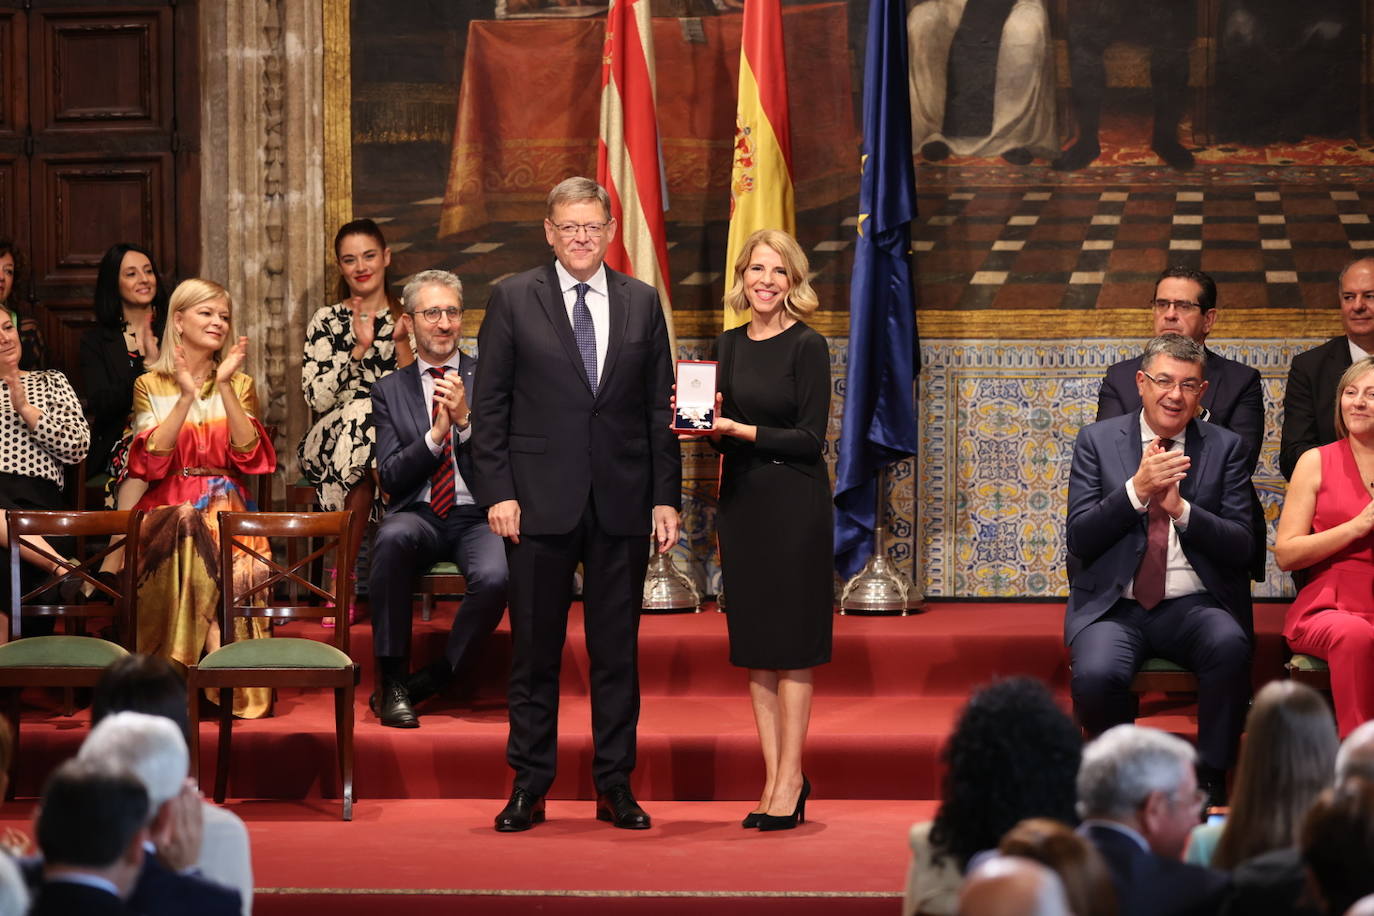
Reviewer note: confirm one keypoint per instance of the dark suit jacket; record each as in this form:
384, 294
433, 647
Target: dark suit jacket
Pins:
1150, 885
542, 437
400, 417
1233, 399
107, 385
1108, 535
159, 891
1309, 401
62, 898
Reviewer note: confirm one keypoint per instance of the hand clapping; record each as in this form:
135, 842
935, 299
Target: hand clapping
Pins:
233, 361
1160, 473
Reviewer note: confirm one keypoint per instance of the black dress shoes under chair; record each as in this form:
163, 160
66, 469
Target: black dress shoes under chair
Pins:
618, 806
788, 821
392, 706
523, 811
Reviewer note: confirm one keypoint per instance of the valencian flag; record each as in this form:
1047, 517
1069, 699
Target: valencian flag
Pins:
628, 160
879, 423
761, 177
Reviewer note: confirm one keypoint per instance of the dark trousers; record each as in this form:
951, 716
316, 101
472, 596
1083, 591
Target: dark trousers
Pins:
414, 539
1188, 631
541, 590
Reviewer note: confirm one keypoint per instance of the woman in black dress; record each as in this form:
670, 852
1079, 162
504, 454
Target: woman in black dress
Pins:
775, 517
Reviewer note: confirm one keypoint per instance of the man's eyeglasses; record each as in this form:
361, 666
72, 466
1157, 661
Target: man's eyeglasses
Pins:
432, 316
1165, 383
1182, 306
570, 230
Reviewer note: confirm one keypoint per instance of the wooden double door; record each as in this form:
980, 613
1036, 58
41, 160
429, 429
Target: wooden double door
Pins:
99, 144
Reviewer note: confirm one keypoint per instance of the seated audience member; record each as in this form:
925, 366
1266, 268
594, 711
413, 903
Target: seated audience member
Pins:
1013, 886
1087, 882
1363, 907
91, 826
1356, 755
195, 434
1338, 844
421, 414
1327, 528
1138, 796
154, 750
1313, 379
43, 431
14, 893
1159, 518
150, 685
1185, 303
1013, 755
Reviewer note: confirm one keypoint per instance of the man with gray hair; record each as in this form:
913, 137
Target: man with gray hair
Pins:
1159, 519
422, 418
1012, 886
153, 750
1139, 799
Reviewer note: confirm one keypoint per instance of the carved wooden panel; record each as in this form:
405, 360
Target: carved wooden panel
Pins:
63, 322
14, 199
102, 70
85, 204
13, 84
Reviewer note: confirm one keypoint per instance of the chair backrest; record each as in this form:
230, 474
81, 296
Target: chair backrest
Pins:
122, 529
252, 591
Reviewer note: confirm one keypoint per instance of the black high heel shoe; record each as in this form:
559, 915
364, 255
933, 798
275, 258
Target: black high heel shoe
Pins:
751, 820
788, 821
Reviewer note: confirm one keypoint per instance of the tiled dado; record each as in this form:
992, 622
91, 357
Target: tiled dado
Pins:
997, 422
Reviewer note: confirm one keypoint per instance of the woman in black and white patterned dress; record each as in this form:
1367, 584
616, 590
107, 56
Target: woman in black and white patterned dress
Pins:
348, 347
41, 430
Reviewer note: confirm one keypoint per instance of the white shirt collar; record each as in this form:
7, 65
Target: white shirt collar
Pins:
1356, 352
1149, 435
426, 366
567, 281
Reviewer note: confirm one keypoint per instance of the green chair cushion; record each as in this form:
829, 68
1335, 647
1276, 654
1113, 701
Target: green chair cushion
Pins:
60, 652
277, 652
443, 569
1160, 666
1307, 663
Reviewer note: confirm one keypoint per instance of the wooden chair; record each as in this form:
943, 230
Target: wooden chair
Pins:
1163, 676
439, 579
280, 661
72, 659
1309, 670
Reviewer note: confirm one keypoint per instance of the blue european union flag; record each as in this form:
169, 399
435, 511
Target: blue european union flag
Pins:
879, 422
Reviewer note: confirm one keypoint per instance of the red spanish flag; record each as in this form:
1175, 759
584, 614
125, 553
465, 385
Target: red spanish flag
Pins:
761, 177
628, 160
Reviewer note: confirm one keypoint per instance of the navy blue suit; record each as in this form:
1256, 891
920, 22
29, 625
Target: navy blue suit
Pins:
412, 538
159, 890
1309, 401
1151, 885
1233, 399
1209, 633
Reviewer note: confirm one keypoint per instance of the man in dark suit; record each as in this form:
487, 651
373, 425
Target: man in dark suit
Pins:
91, 827
424, 459
1185, 302
575, 462
1309, 400
1159, 520
1139, 800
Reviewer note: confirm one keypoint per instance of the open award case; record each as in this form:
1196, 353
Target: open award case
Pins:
696, 396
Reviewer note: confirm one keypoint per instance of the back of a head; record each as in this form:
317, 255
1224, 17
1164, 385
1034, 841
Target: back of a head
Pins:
1356, 755
89, 814
141, 683
150, 747
1124, 765
1338, 843
1362, 907
1014, 754
1087, 880
1012, 886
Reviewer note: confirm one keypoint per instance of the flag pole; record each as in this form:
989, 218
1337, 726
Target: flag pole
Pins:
879, 589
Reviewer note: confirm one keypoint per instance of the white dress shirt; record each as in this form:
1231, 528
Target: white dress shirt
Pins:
1356, 353
598, 303
1180, 578
462, 495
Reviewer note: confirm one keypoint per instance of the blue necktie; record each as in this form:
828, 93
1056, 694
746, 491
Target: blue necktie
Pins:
585, 333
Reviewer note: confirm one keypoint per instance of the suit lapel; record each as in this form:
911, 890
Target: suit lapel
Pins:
1195, 444
550, 298
1129, 447
415, 397
618, 293
1215, 380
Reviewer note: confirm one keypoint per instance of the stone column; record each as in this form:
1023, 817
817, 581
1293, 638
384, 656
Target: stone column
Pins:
262, 189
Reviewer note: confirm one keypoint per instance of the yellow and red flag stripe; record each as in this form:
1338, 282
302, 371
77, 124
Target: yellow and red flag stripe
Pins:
628, 159
761, 175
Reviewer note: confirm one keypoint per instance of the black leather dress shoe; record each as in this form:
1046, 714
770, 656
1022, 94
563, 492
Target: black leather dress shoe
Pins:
618, 806
523, 811
428, 681
392, 707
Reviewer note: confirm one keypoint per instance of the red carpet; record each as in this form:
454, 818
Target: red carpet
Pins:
421, 841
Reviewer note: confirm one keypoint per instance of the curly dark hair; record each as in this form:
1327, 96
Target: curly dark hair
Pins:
1014, 754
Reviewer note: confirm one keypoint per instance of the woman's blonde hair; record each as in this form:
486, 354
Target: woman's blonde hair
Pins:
189, 294
800, 300
1357, 369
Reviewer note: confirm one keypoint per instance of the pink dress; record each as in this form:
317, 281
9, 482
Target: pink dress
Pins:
1333, 616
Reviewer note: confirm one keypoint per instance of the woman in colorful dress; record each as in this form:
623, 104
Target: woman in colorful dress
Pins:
196, 433
348, 347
